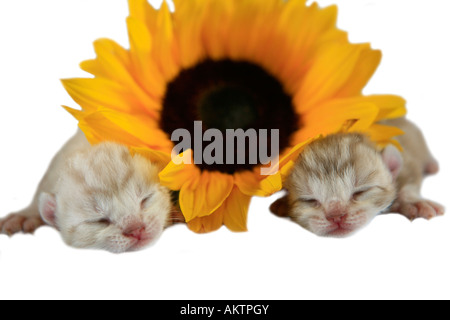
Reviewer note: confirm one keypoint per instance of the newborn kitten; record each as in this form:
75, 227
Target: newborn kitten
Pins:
98, 197
340, 183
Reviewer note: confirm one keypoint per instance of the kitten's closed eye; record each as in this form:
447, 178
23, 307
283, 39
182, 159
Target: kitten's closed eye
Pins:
310, 202
146, 201
358, 194
361, 193
105, 222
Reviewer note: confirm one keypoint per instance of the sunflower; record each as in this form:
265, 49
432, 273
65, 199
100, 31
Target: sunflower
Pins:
232, 64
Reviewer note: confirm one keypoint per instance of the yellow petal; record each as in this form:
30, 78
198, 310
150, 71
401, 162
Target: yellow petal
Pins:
331, 70
366, 66
383, 134
93, 67
77, 114
254, 183
138, 9
210, 223
274, 182
113, 59
142, 127
165, 51
140, 39
100, 129
216, 28
305, 26
306, 29
154, 156
287, 169
248, 182
148, 74
334, 115
291, 14
174, 176
235, 211
252, 29
97, 93
144, 12
127, 129
293, 153
270, 185
189, 38
391, 106
202, 196
116, 65
233, 214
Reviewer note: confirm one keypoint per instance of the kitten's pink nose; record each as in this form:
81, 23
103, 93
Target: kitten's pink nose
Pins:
338, 218
336, 213
137, 232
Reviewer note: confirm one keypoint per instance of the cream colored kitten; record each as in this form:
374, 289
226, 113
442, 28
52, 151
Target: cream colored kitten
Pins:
340, 183
98, 197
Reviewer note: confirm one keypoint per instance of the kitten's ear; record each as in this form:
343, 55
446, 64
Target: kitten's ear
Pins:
47, 208
280, 207
393, 160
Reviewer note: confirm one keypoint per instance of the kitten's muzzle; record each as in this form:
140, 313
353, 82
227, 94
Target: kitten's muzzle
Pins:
137, 232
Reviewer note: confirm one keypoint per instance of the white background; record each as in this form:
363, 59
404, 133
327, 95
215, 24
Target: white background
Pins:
43, 41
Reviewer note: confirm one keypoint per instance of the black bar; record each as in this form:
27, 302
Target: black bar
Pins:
229, 309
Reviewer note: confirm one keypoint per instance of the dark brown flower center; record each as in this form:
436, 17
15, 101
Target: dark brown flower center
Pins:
225, 95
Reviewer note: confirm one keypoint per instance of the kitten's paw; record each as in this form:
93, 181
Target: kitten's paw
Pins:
420, 208
16, 223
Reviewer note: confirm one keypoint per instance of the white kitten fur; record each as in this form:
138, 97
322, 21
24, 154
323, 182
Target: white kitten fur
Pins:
339, 184
107, 199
